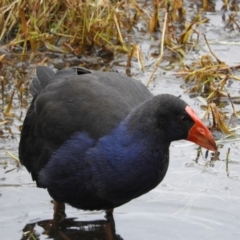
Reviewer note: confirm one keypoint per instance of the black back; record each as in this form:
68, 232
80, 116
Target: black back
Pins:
73, 100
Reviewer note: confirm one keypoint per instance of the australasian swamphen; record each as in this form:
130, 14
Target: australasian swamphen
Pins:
97, 140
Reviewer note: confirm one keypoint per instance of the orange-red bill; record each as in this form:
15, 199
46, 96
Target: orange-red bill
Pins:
199, 133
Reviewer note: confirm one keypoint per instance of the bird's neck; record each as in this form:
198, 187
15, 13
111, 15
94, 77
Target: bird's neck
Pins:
133, 146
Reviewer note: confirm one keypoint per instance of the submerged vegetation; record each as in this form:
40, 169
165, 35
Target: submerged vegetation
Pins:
101, 34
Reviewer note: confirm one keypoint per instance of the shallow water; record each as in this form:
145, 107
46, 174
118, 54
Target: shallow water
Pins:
196, 200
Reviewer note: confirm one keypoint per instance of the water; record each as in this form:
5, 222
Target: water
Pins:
196, 200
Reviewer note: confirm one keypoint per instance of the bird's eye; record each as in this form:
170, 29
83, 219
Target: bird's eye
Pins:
184, 118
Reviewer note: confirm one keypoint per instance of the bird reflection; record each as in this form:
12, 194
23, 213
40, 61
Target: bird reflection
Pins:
71, 229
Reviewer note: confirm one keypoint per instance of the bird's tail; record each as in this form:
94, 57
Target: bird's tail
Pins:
43, 75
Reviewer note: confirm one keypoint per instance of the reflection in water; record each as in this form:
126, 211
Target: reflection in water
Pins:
70, 229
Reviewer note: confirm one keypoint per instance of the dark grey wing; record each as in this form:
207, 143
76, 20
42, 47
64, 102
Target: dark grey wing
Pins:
93, 102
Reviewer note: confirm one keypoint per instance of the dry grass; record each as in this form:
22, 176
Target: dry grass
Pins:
80, 27
73, 26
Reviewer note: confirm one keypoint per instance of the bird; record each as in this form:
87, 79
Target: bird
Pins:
96, 140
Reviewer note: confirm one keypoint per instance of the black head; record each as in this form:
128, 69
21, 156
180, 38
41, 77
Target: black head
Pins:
168, 118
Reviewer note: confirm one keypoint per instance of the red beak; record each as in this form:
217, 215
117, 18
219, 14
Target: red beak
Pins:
199, 133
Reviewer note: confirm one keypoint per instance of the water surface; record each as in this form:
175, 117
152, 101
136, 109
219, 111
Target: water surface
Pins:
196, 200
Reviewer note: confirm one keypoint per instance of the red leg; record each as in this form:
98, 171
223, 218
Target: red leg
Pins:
109, 212
110, 226
59, 211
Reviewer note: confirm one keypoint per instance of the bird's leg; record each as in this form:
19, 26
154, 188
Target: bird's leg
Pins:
59, 211
110, 226
109, 216
109, 212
